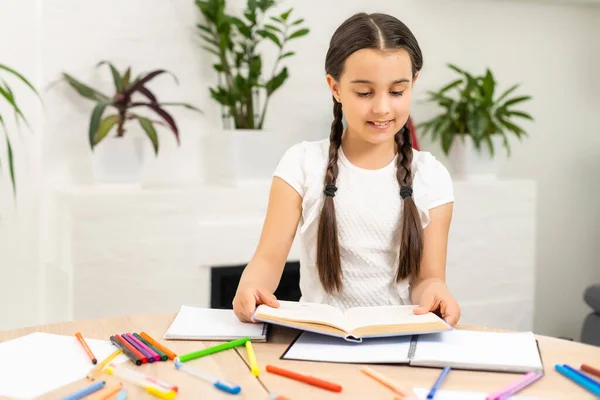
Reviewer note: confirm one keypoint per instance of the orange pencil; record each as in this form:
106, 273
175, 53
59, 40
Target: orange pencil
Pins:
334, 387
387, 382
86, 348
590, 369
107, 392
162, 348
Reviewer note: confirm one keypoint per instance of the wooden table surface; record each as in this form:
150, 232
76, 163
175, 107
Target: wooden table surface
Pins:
232, 365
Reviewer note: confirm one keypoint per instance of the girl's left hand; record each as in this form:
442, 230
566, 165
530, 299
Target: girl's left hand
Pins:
436, 296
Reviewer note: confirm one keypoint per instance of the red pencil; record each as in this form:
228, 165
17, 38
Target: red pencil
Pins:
129, 347
304, 378
590, 369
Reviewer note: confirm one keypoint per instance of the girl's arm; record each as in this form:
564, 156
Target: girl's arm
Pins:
429, 290
262, 275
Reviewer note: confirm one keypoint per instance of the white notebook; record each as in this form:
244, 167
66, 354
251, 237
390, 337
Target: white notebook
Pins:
194, 323
464, 395
459, 349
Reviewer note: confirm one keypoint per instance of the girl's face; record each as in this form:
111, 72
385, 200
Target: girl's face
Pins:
375, 92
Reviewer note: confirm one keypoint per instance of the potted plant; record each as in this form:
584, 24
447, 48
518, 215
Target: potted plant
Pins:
474, 122
7, 95
119, 158
243, 90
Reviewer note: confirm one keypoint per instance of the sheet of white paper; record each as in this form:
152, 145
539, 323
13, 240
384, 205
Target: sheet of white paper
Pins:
477, 349
38, 363
315, 347
193, 323
464, 395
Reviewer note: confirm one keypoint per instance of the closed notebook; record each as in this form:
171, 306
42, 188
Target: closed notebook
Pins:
194, 323
459, 349
354, 324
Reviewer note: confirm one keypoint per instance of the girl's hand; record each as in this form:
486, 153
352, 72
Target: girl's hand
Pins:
246, 300
437, 297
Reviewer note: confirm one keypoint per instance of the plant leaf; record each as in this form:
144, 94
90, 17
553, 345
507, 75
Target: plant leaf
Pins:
273, 28
147, 78
288, 54
275, 83
95, 121
84, 90
299, 33
164, 114
21, 77
507, 92
488, 87
150, 131
146, 92
518, 114
447, 139
11, 164
286, 14
8, 95
516, 100
297, 22
269, 35
118, 81
450, 86
186, 105
105, 126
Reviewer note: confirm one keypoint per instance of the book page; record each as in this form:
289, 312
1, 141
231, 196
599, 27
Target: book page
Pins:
316, 347
195, 323
386, 315
504, 351
303, 312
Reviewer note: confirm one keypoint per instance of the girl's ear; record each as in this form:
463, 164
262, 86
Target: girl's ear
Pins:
333, 86
415, 78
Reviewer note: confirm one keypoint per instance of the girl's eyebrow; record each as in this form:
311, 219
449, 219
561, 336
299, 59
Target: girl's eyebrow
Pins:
365, 81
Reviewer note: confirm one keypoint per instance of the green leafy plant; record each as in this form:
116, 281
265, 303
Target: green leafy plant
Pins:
475, 112
125, 107
8, 95
234, 42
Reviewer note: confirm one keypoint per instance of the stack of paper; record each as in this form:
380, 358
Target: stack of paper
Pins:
38, 363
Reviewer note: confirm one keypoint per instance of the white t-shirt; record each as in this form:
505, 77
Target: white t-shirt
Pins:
368, 209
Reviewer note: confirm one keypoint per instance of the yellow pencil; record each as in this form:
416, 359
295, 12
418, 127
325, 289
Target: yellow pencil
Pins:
93, 373
252, 359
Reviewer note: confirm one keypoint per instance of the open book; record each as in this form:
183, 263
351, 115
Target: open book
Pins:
352, 324
459, 349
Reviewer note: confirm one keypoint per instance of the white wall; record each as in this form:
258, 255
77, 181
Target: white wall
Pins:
550, 47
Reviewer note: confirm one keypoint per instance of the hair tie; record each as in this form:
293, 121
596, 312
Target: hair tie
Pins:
405, 191
330, 190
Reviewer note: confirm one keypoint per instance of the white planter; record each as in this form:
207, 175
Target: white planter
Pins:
466, 162
233, 157
118, 159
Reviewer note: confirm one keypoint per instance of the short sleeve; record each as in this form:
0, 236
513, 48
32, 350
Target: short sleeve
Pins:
432, 185
291, 167
441, 188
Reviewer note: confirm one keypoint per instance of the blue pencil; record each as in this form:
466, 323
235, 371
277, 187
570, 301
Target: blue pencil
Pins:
122, 395
438, 383
581, 381
84, 392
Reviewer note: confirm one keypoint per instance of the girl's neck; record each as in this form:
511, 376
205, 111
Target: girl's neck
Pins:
368, 155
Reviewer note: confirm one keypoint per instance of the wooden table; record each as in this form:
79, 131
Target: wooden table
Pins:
232, 365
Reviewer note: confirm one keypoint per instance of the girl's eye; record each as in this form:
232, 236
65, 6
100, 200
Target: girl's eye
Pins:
363, 94
397, 93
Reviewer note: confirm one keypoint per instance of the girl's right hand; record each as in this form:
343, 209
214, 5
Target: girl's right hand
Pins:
246, 300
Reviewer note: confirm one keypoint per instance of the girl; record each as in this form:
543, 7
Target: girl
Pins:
373, 213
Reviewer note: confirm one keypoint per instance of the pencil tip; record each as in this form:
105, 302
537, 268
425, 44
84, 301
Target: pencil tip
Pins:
94, 361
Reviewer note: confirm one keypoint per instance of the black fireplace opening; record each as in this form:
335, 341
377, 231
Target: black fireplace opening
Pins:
224, 282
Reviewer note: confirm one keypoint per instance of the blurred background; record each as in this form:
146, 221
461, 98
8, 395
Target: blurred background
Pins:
98, 225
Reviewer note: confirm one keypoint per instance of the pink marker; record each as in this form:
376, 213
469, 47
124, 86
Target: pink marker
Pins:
515, 386
147, 349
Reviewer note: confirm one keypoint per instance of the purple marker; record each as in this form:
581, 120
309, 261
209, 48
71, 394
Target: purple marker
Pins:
152, 353
149, 356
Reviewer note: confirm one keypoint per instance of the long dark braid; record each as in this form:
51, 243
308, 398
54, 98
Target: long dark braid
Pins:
328, 249
411, 231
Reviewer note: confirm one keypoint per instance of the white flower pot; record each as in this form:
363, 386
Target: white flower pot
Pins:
466, 162
237, 156
118, 159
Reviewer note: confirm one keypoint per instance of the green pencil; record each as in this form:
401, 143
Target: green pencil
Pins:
212, 350
162, 355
